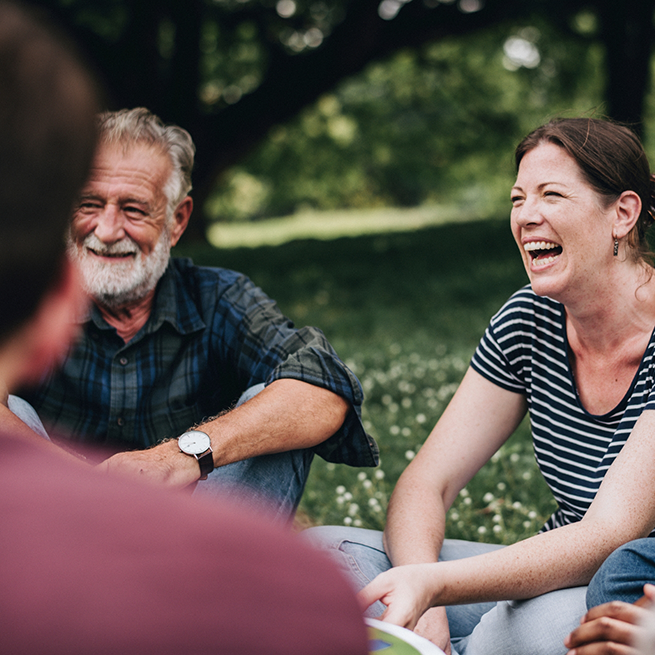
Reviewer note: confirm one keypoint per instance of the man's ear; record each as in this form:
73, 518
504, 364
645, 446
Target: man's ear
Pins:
47, 335
181, 219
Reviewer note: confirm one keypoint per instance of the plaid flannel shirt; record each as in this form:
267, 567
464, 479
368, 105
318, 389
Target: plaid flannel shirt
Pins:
211, 335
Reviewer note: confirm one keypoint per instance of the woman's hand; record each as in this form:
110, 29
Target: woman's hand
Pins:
407, 591
611, 628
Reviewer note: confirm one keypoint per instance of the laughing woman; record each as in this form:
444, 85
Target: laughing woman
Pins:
575, 349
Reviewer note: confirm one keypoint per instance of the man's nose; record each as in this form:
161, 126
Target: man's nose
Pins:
110, 224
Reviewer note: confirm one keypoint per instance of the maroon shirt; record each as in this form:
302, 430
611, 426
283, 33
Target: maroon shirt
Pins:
93, 564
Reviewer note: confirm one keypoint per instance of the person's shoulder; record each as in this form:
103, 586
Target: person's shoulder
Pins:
526, 299
208, 283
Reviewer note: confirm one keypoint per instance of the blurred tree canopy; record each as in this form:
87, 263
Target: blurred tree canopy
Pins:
406, 90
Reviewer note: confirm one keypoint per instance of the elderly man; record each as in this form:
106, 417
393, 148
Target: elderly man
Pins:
168, 346
92, 563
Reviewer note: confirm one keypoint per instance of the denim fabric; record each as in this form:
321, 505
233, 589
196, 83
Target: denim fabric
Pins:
26, 413
532, 627
624, 573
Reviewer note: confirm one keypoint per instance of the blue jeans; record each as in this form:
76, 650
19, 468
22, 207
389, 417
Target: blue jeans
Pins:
624, 573
531, 627
274, 483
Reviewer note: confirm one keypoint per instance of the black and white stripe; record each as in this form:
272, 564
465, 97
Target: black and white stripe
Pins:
524, 350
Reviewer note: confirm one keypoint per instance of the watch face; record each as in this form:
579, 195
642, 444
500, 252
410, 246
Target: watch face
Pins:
194, 442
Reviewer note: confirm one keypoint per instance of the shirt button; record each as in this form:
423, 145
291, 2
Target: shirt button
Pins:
120, 421
123, 361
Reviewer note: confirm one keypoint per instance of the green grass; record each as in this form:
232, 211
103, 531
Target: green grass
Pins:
405, 310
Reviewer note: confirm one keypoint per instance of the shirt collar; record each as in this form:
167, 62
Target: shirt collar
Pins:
173, 304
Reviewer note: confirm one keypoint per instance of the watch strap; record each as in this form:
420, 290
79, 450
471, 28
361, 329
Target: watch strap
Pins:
206, 462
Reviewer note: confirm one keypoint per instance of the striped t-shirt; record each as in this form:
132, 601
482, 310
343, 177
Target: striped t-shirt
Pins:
524, 350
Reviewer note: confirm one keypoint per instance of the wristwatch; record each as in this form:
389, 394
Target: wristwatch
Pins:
198, 444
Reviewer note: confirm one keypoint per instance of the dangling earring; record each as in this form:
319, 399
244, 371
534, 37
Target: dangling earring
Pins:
616, 246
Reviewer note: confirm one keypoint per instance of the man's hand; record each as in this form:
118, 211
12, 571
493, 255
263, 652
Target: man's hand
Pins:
163, 464
611, 628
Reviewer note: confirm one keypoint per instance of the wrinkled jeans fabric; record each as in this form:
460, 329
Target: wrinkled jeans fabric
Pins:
26, 413
273, 483
624, 573
531, 627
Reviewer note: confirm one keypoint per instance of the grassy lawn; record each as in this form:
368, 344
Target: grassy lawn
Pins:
405, 310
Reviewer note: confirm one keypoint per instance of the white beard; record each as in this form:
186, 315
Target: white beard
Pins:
117, 284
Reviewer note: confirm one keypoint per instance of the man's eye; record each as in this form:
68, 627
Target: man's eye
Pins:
135, 212
88, 206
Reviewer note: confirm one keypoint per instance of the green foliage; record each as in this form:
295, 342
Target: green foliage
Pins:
432, 124
405, 311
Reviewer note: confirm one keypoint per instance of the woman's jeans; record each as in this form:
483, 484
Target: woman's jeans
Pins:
624, 573
531, 627
273, 483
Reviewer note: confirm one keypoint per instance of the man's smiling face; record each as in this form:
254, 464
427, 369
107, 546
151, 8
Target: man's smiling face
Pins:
120, 234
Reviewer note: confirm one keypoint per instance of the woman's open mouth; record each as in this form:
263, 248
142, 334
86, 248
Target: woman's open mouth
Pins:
542, 252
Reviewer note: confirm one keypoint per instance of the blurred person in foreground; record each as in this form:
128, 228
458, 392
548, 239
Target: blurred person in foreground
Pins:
170, 348
91, 563
575, 349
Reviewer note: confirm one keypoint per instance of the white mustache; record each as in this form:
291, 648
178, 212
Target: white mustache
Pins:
125, 246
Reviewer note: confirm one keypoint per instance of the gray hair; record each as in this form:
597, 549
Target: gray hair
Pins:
139, 125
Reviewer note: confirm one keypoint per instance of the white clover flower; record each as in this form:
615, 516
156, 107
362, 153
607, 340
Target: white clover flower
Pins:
348, 495
454, 516
421, 418
367, 484
514, 457
341, 489
393, 408
373, 502
340, 500
497, 518
464, 492
406, 402
526, 475
482, 530
395, 430
467, 500
532, 514
347, 520
357, 523
353, 509
496, 529
387, 399
410, 455
379, 474
361, 476
501, 486
488, 497
516, 505
406, 432
526, 524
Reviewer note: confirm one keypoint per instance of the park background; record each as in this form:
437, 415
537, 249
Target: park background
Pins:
355, 160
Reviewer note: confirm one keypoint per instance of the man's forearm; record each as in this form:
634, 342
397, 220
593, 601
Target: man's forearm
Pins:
287, 415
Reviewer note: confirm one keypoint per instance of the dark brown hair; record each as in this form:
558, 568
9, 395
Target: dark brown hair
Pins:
47, 138
611, 159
